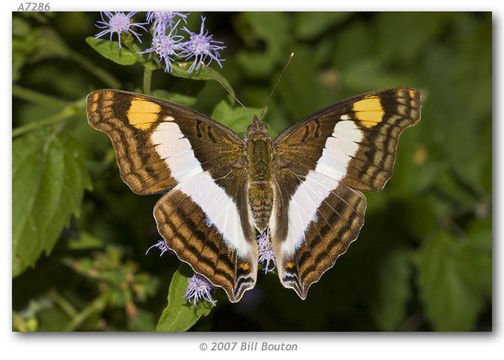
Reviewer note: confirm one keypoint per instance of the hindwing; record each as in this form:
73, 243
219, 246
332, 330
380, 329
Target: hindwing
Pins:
209, 237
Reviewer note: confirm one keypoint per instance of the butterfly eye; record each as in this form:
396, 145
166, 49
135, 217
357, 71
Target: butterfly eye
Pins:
257, 128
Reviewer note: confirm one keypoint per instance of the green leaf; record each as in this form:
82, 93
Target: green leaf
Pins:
418, 216
236, 118
48, 182
180, 315
454, 277
345, 53
18, 61
24, 38
23, 324
24, 44
176, 98
480, 231
85, 241
111, 51
20, 27
272, 28
456, 191
180, 70
50, 44
467, 125
142, 321
52, 319
300, 90
368, 74
388, 307
309, 25
397, 35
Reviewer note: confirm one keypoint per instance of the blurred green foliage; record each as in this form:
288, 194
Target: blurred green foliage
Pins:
423, 259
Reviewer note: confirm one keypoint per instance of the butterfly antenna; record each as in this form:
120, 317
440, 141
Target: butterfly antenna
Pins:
276, 84
222, 84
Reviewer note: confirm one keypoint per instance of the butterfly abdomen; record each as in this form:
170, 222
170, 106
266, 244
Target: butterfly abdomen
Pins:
261, 203
260, 191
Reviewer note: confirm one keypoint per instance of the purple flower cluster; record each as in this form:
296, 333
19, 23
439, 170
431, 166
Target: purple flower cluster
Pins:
118, 23
199, 289
161, 245
266, 253
163, 20
167, 45
200, 46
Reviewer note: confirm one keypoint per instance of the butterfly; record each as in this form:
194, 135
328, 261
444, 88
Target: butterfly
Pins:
304, 187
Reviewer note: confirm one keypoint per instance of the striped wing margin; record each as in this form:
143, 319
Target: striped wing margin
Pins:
196, 241
146, 131
320, 164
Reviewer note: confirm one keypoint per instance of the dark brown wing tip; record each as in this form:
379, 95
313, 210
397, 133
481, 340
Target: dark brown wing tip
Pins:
416, 96
299, 289
296, 285
234, 298
92, 97
415, 104
232, 295
302, 293
242, 284
92, 110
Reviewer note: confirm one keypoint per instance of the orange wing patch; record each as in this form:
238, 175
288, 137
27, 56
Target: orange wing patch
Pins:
141, 113
244, 266
369, 111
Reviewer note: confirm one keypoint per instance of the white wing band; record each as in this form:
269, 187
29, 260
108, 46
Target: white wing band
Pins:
318, 184
220, 209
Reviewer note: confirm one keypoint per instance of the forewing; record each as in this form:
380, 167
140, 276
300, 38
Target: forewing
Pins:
370, 123
159, 144
319, 167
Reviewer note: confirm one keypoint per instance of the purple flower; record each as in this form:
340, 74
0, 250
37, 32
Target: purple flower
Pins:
118, 23
200, 46
161, 245
199, 288
163, 20
166, 46
266, 253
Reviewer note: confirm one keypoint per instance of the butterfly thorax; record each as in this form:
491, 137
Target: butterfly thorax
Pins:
260, 191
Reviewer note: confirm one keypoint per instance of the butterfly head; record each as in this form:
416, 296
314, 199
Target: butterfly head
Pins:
257, 129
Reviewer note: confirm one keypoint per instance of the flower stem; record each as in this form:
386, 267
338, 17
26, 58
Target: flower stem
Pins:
108, 79
36, 97
68, 108
62, 303
147, 80
66, 113
95, 307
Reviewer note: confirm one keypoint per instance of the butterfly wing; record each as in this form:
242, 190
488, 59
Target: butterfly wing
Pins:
320, 166
204, 216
